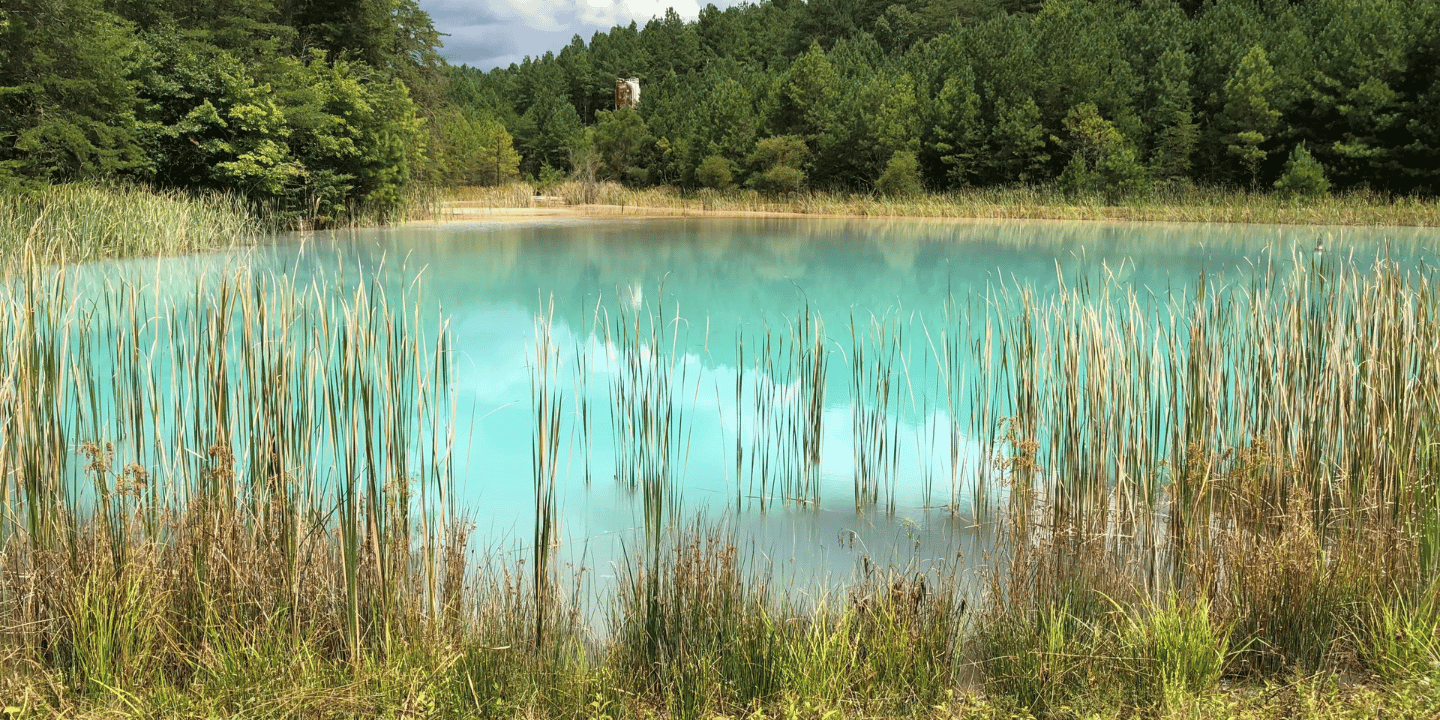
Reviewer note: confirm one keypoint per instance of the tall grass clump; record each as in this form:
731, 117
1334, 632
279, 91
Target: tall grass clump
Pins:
647, 409
720, 637
80, 223
786, 393
1262, 449
895, 638
244, 467
548, 405
874, 391
693, 629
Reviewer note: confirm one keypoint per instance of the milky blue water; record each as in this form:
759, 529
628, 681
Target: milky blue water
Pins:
717, 281
712, 284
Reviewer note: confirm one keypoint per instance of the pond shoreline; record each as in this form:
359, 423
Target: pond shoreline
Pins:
472, 212
841, 209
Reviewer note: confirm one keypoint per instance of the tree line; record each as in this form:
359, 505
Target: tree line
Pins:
1099, 96
313, 108
320, 108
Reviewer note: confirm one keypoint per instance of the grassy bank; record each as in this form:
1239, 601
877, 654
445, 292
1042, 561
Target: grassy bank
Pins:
83, 222
1177, 204
79, 223
707, 639
234, 499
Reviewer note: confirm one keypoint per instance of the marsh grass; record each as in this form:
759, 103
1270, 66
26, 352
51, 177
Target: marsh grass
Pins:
248, 460
513, 195
80, 223
1265, 451
777, 457
1174, 203
648, 392
548, 406
875, 347
1260, 450
720, 636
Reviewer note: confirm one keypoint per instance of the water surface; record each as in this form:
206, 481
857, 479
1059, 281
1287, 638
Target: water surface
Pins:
714, 281
711, 284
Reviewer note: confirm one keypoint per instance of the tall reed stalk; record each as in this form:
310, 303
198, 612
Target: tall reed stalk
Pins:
548, 405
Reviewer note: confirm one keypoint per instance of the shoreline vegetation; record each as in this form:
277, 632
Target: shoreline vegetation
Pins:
234, 499
1186, 205
275, 533
82, 222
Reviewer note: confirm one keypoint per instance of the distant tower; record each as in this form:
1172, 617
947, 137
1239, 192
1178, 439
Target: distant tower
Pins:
627, 93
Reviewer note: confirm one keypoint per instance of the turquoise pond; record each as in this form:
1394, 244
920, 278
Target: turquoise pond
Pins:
716, 283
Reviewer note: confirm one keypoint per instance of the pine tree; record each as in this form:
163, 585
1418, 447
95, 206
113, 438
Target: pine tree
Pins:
1248, 112
1176, 132
958, 135
1304, 176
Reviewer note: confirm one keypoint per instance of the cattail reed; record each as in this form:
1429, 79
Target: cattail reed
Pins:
547, 404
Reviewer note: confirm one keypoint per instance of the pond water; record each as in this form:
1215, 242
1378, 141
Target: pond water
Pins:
705, 296
714, 283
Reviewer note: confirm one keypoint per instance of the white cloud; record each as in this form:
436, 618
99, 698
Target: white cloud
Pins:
575, 16
608, 13
487, 33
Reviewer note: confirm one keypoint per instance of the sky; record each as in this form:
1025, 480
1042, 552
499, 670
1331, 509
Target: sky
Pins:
486, 34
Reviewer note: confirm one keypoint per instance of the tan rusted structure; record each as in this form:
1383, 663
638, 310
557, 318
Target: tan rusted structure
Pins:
627, 92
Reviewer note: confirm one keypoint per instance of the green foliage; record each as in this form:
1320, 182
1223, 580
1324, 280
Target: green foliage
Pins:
296, 104
623, 142
958, 133
1122, 174
1397, 636
68, 92
1304, 176
304, 110
1248, 110
1101, 158
779, 180
726, 121
714, 172
1176, 132
473, 149
777, 162
898, 122
1091, 137
780, 151
1018, 142
545, 132
808, 95
242, 135
549, 178
901, 177
1245, 146
1045, 658
1178, 650
1076, 179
